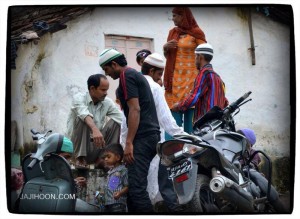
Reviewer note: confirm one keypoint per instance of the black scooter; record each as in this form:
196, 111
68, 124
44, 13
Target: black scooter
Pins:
49, 186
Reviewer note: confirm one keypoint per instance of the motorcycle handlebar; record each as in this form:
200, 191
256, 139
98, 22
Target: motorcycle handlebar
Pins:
33, 131
32, 163
37, 135
233, 106
242, 98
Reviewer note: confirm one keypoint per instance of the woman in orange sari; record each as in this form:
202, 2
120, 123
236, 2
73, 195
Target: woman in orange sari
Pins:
180, 71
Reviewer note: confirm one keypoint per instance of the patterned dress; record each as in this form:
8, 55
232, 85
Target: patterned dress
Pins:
185, 70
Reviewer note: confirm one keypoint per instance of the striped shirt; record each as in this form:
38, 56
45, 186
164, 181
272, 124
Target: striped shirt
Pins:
208, 91
117, 179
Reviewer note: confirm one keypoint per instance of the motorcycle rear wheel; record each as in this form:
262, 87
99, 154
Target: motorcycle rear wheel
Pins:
203, 199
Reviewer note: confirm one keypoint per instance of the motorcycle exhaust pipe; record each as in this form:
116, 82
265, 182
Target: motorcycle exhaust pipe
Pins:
232, 192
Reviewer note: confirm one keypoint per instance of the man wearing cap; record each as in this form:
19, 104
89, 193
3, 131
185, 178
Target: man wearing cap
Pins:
209, 89
143, 128
152, 69
86, 121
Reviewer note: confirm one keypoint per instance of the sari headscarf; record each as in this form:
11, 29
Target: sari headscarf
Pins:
188, 26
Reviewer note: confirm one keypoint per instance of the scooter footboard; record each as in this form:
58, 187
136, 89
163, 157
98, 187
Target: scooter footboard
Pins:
185, 184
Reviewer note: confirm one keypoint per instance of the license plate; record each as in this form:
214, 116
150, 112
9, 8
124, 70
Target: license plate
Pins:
178, 169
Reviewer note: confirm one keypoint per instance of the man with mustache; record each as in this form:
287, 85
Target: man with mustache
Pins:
86, 121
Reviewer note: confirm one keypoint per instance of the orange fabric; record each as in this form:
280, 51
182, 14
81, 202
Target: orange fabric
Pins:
185, 70
188, 26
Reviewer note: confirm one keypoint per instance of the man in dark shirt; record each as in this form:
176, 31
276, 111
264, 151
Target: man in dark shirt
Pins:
143, 128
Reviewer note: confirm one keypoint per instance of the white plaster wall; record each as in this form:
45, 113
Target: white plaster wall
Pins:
71, 55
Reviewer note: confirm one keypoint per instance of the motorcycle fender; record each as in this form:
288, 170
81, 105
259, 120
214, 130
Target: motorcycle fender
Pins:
185, 190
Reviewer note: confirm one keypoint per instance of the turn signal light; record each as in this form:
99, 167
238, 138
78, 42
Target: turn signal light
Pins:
189, 149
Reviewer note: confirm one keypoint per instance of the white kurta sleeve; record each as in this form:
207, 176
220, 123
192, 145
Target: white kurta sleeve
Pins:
165, 118
124, 131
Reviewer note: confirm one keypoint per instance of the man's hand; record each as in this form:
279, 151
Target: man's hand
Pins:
128, 153
175, 107
117, 195
98, 138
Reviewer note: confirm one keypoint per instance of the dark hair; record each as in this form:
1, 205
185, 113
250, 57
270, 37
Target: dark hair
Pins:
94, 80
116, 149
121, 60
142, 54
207, 57
147, 67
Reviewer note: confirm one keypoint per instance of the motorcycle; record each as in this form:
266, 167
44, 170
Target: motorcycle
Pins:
49, 185
211, 169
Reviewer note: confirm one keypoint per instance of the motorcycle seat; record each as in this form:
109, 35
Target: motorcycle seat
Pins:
229, 144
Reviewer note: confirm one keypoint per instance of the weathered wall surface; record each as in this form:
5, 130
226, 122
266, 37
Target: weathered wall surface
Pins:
48, 74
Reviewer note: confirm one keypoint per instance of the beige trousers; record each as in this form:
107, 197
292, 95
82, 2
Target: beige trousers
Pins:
82, 141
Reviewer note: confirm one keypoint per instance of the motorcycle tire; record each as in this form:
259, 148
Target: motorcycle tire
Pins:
203, 199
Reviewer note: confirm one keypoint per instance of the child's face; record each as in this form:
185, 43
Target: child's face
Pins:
111, 159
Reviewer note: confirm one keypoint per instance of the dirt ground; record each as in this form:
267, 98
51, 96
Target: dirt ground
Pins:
286, 200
